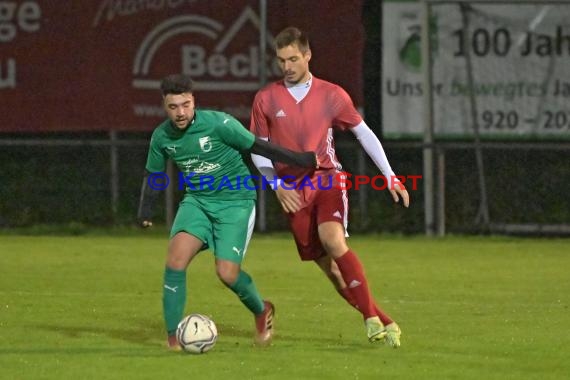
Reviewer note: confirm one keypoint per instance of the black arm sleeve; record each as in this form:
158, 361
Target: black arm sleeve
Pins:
147, 199
277, 153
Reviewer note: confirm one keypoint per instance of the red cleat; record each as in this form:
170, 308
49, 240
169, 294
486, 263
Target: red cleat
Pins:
264, 324
172, 343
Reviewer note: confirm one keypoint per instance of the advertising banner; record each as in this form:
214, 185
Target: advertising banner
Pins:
502, 69
96, 65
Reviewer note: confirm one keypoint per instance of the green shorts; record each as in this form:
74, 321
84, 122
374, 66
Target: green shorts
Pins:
225, 226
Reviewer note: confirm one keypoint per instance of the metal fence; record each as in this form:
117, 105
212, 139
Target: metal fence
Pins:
96, 180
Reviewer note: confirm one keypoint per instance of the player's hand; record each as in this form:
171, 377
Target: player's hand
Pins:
145, 223
398, 189
290, 200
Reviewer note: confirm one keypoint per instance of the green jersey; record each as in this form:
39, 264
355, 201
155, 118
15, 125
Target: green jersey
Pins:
207, 154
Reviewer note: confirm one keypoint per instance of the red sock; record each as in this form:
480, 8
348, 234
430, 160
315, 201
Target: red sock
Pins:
345, 293
358, 295
386, 320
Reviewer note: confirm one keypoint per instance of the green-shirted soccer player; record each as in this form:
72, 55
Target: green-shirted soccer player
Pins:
218, 208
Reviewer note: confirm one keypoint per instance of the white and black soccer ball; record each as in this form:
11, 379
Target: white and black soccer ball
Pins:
197, 333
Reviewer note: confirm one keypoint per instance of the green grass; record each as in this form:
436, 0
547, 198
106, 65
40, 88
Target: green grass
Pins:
89, 307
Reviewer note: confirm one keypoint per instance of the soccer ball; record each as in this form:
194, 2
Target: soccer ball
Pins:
197, 333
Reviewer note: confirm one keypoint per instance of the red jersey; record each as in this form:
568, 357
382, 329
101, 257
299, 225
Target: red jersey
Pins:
306, 125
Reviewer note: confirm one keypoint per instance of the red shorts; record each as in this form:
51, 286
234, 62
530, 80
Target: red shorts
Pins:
324, 206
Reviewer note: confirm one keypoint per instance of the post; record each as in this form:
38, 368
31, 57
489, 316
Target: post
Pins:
441, 192
429, 220
262, 198
362, 193
114, 156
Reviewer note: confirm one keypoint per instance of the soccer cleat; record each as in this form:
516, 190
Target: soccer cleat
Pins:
393, 333
375, 329
172, 343
264, 324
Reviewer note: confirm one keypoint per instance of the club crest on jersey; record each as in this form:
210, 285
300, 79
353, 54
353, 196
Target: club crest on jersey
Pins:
205, 143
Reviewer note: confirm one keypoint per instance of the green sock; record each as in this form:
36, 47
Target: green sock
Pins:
247, 293
174, 298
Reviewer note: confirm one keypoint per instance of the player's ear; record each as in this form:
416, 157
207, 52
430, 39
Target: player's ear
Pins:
308, 55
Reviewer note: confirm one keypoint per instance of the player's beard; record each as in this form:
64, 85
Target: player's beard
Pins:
181, 123
291, 79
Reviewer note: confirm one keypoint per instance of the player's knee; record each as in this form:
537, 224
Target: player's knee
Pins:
227, 275
335, 247
176, 262
331, 235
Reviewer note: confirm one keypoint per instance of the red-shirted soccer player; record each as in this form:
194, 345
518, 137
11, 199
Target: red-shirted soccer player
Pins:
299, 113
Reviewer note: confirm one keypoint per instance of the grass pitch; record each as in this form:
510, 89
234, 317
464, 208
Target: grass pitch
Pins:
89, 307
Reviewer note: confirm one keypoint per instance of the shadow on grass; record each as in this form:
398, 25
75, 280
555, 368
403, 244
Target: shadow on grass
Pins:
329, 342
148, 335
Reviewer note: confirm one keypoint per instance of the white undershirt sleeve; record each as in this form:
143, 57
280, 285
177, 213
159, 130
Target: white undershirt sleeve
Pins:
265, 167
374, 148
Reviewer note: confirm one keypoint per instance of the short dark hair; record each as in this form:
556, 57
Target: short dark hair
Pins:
176, 84
292, 36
